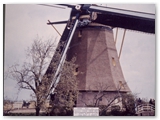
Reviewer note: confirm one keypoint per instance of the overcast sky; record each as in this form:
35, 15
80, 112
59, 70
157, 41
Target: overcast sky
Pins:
24, 23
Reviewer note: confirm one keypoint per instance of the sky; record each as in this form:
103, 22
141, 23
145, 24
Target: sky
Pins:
24, 22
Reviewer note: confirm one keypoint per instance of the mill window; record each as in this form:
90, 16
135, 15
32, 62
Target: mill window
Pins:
113, 61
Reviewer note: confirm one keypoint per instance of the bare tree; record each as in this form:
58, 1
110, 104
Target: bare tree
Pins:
31, 75
109, 100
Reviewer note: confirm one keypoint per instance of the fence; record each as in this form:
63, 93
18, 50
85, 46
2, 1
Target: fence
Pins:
145, 108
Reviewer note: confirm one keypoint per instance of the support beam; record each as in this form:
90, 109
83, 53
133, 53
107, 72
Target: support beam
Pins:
122, 44
54, 28
116, 35
59, 68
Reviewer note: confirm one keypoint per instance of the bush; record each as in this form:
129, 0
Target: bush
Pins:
61, 111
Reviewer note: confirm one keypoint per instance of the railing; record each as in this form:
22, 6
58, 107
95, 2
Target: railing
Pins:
145, 108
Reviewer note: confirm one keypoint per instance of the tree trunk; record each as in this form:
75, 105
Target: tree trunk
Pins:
37, 110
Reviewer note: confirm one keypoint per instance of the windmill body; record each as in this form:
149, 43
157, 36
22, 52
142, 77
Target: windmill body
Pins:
98, 64
94, 48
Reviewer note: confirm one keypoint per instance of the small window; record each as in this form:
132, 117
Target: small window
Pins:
80, 33
113, 61
76, 71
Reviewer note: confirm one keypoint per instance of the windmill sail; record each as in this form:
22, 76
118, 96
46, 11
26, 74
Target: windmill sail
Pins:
126, 19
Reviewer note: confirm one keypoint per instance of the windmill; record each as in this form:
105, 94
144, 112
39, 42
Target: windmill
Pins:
88, 35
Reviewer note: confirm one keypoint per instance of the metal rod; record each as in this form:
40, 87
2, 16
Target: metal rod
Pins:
58, 77
116, 35
122, 43
57, 74
55, 28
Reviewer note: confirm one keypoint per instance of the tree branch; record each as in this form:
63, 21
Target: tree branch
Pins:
28, 85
